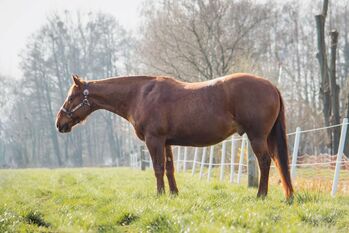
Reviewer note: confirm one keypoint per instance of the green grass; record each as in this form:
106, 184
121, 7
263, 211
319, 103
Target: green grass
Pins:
124, 200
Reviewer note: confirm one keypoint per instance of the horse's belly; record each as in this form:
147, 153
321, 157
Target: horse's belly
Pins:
195, 141
204, 135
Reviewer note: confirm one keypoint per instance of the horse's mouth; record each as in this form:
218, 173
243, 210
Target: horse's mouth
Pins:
65, 131
64, 128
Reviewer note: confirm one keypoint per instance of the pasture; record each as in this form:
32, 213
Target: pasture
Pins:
125, 200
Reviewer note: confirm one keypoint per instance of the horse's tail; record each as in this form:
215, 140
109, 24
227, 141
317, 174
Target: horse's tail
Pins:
277, 143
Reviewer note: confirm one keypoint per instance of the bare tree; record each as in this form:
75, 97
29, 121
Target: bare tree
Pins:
200, 40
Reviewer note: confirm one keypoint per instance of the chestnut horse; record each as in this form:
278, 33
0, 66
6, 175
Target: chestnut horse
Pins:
166, 112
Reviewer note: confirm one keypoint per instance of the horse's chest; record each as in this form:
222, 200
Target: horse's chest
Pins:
138, 126
149, 122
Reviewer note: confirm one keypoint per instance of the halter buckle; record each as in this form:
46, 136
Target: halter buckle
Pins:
85, 101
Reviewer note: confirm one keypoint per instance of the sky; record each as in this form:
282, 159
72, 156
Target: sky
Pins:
20, 18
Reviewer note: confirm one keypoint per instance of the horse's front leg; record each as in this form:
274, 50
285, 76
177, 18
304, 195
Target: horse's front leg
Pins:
156, 147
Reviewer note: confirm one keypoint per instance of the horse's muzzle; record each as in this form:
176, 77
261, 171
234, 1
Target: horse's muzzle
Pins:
63, 128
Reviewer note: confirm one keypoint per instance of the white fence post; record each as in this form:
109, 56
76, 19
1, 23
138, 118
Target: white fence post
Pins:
232, 158
295, 153
194, 161
222, 161
178, 158
210, 164
203, 161
150, 162
242, 153
185, 159
339, 156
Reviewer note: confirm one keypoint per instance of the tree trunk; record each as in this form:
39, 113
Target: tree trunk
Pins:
335, 118
346, 76
346, 149
322, 57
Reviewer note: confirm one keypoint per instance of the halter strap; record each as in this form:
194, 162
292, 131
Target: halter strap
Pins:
83, 103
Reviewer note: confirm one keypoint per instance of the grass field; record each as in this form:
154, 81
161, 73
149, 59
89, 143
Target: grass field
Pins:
124, 200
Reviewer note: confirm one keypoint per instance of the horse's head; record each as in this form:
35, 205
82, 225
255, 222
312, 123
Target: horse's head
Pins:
75, 108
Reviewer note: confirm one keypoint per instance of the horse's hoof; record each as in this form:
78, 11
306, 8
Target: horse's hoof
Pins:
290, 199
261, 196
161, 192
174, 193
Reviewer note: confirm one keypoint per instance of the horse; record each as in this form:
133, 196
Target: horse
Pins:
165, 112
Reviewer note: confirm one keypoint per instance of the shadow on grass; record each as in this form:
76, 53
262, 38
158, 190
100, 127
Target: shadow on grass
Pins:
36, 218
126, 219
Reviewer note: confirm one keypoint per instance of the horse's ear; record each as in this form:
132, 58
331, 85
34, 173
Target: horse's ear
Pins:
77, 80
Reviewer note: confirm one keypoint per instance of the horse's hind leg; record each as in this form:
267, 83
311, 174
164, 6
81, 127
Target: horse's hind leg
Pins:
170, 171
260, 148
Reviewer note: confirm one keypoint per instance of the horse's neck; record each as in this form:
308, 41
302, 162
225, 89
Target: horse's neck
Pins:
117, 95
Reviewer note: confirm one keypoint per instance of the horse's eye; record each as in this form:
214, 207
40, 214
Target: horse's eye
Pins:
70, 99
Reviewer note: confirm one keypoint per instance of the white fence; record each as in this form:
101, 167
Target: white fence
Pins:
238, 146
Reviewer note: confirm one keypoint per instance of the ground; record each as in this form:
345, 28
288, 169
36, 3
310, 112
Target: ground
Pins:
124, 200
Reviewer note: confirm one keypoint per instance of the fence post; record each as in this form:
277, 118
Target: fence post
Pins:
252, 168
222, 161
210, 164
232, 158
203, 161
194, 161
141, 148
242, 153
178, 158
339, 156
150, 162
185, 159
295, 153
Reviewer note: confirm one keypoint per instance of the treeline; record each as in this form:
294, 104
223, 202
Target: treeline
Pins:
190, 40
93, 46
